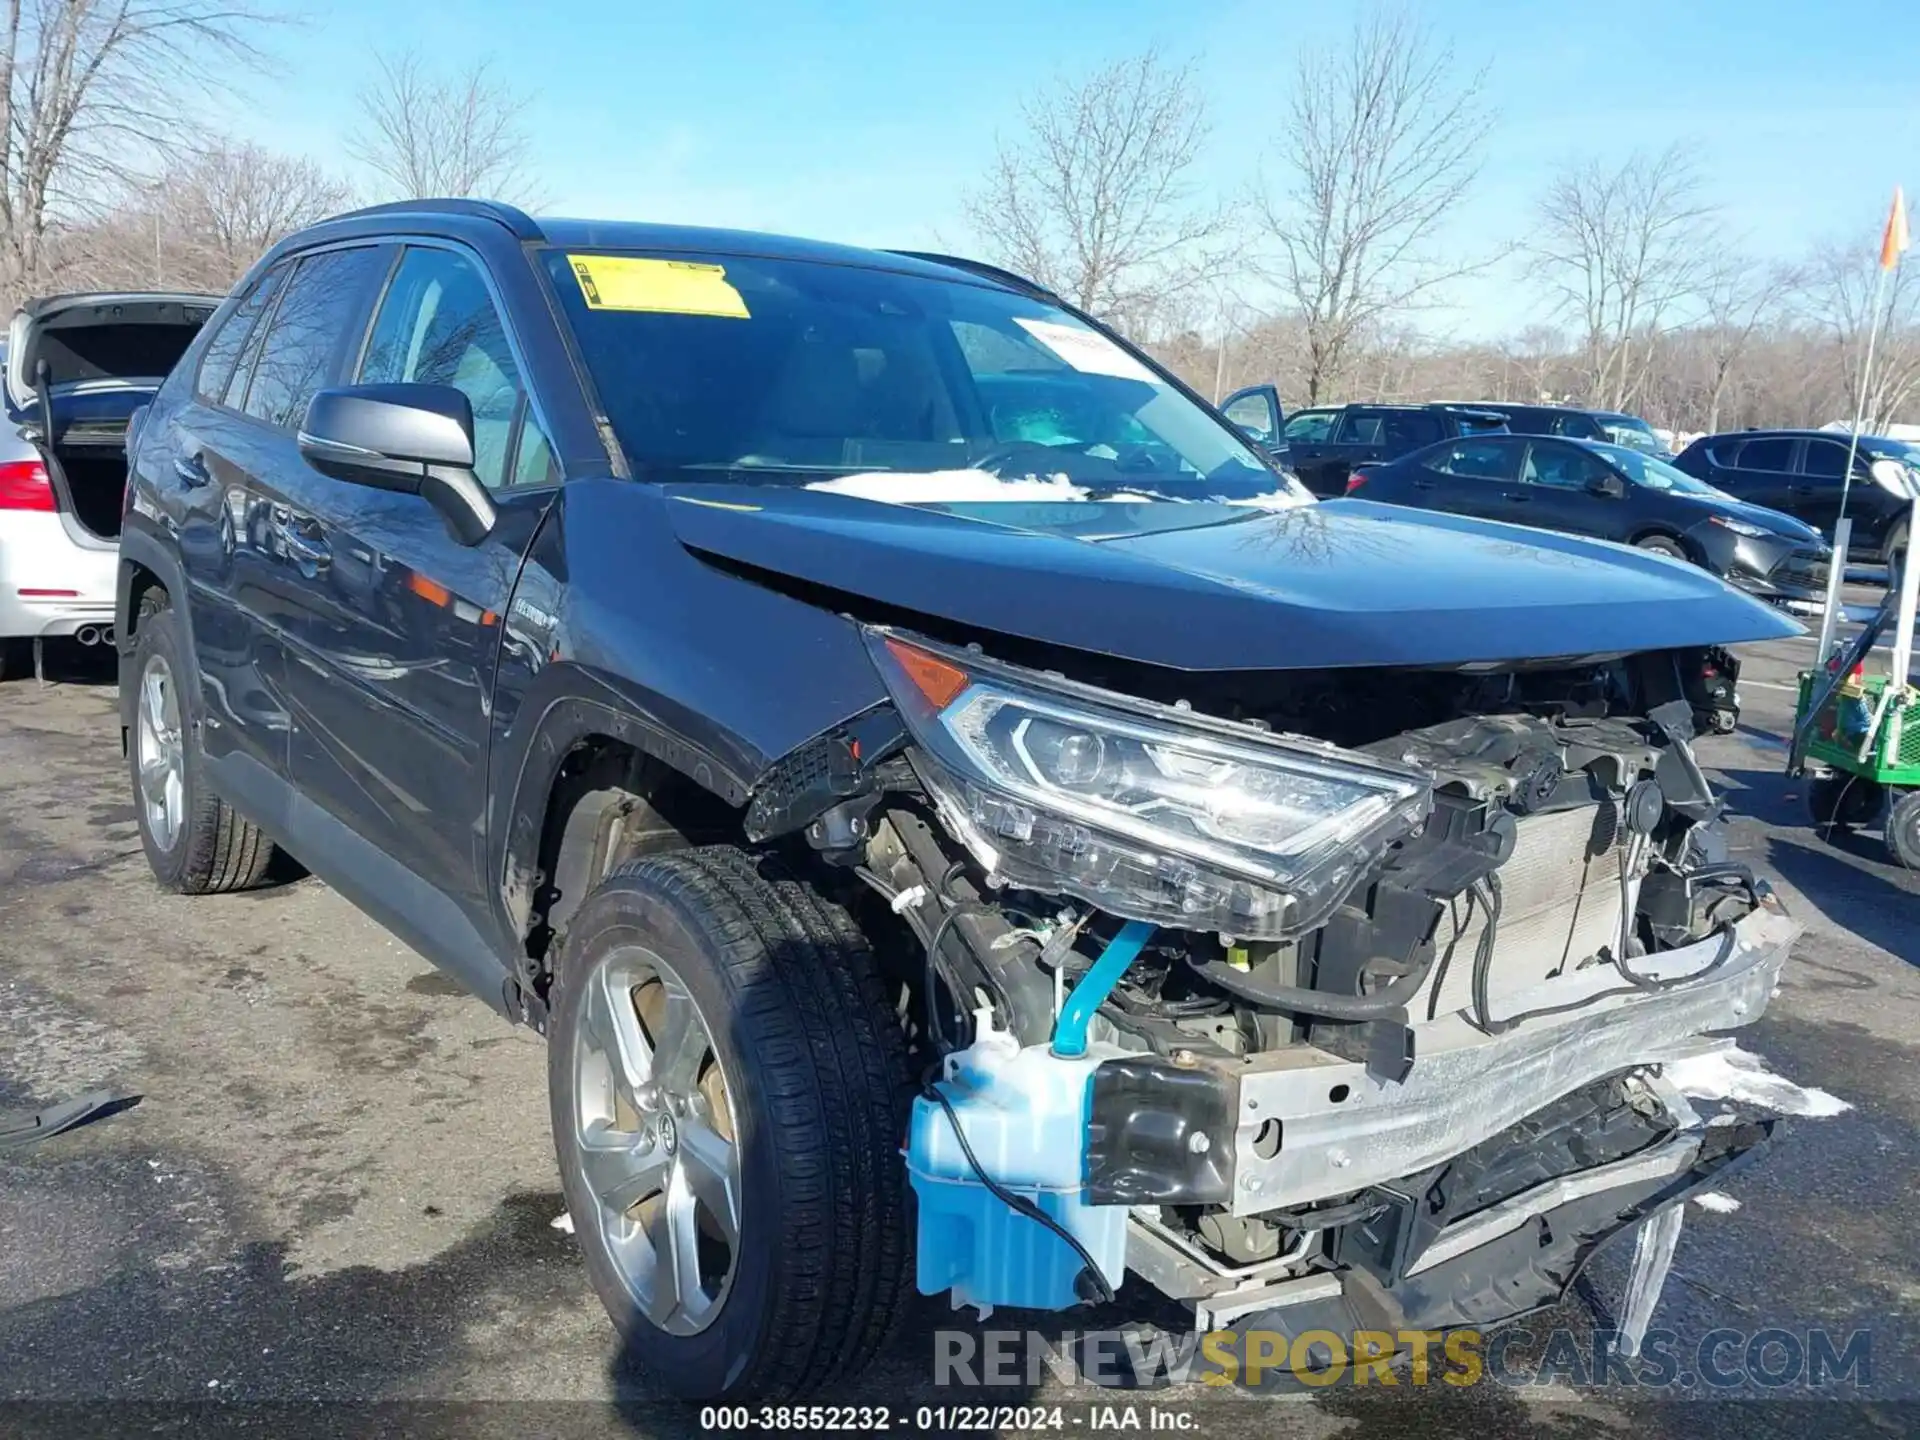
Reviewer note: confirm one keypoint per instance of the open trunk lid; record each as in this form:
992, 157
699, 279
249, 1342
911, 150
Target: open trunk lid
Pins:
99, 342
79, 367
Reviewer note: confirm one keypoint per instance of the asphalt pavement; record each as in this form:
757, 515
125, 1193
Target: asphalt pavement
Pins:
331, 1209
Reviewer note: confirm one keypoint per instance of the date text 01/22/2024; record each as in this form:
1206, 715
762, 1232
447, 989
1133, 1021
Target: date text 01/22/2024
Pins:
985, 1418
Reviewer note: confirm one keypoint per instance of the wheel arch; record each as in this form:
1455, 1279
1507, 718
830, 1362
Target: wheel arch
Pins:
599, 785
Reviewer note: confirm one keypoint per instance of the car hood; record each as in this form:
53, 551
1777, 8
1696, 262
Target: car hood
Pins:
1213, 586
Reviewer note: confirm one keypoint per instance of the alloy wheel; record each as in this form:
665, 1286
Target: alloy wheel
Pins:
655, 1141
160, 751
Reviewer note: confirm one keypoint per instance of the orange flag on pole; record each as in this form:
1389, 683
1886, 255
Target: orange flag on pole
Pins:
1896, 240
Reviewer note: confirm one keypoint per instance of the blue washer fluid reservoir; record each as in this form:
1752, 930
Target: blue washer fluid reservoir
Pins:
1025, 1115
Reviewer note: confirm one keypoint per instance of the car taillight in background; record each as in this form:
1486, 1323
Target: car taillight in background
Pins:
24, 486
1361, 474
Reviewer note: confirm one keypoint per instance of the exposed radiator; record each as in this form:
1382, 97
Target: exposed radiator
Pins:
1560, 893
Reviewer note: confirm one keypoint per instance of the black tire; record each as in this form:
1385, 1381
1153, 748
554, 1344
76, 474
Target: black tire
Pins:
1663, 545
10, 657
1903, 830
216, 849
815, 1068
1896, 556
1839, 800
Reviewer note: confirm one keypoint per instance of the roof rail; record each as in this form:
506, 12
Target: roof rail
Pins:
978, 267
523, 225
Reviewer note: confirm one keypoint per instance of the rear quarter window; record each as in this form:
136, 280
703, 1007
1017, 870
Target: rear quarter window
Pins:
222, 353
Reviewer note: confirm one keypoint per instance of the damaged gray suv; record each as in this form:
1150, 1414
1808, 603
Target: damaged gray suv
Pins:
959, 815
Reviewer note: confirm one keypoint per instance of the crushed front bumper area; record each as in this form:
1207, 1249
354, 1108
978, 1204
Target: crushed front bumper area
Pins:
1309, 1125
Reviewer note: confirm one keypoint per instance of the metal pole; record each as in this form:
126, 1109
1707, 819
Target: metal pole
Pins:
1901, 674
1836, 577
1830, 619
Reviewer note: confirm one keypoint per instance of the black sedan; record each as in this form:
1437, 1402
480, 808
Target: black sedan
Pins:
1588, 487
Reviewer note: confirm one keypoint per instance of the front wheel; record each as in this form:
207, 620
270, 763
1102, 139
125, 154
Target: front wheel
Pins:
1662, 545
1903, 830
729, 1090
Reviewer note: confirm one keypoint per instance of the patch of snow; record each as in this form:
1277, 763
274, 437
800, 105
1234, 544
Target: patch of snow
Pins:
951, 487
1272, 500
1716, 1202
1736, 1074
563, 1222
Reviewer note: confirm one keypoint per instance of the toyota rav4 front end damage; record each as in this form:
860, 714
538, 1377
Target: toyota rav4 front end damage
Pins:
1286, 1002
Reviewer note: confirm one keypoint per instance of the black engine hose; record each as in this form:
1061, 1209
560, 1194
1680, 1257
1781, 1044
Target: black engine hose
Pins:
1294, 999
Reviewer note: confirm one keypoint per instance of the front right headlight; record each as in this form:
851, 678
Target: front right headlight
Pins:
1147, 812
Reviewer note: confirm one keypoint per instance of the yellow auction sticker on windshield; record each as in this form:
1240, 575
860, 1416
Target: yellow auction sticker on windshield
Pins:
663, 287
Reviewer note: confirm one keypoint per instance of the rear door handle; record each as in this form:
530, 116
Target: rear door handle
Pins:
191, 467
1519, 497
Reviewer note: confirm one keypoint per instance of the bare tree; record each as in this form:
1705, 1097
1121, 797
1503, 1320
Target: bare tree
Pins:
426, 135
238, 201
92, 101
1095, 198
1382, 142
1842, 287
1737, 297
1622, 252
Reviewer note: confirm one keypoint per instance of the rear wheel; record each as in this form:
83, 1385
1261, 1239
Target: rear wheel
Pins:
1903, 830
196, 843
12, 661
729, 1090
1662, 545
1842, 800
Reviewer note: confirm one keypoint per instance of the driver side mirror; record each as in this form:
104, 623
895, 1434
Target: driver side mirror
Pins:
1608, 487
409, 439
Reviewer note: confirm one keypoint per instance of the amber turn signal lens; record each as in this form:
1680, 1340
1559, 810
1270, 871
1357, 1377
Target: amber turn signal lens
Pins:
933, 677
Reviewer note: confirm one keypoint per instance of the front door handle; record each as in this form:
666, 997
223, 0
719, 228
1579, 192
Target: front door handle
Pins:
1519, 497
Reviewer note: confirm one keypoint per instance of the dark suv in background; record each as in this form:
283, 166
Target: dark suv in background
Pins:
777, 671
1803, 473
1611, 427
1323, 445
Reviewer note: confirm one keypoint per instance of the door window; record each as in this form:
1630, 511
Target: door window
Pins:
321, 300
1577, 426
1563, 467
1479, 460
221, 358
1360, 427
1824, 460
1309, 427
1765, 455
1253, 413
1410, 429
438, 326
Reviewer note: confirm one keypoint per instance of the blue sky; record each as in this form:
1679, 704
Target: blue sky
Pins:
863, 121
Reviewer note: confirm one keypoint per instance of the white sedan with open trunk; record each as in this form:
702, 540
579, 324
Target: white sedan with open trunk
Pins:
78, 368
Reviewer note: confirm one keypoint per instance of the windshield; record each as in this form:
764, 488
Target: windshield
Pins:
1632, 432
1893, 450
841, 377
1643, 469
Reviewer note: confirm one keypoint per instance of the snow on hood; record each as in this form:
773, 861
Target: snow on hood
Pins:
1736, 1074
982, 487
950, 487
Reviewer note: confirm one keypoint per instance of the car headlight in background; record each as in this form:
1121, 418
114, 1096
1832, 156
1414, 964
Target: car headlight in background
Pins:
1147, 812
1741, 527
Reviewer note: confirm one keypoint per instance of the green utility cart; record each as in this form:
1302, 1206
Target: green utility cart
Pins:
1861, 785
